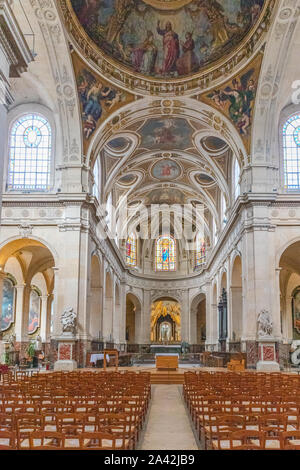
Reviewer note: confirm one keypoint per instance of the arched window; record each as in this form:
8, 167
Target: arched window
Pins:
223, 210
34, 311
200, 251
96, 174
291, 153
30, 149
236, 178
109, 211
131, 255
8, 304
165, 259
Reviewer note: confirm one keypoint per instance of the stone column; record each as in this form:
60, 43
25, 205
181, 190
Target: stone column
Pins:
145, 333
44, 318
15, 56
19, 312
185, 321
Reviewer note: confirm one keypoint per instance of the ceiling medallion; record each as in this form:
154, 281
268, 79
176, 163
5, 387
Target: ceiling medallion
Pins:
168, 4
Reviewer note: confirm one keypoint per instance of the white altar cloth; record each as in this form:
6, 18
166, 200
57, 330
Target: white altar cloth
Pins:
98, 357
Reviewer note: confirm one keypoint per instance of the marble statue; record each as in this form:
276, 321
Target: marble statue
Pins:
265, 324
68, 321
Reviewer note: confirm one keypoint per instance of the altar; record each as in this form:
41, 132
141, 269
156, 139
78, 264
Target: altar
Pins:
167, 361
165, 348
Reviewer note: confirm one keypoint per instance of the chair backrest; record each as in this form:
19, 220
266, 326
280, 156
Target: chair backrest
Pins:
7, 440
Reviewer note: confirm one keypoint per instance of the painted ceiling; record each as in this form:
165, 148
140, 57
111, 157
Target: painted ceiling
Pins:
167, 39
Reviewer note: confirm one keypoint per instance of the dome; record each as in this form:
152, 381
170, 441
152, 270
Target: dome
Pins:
165, 39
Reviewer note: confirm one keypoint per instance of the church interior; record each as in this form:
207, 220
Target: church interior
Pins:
150, 224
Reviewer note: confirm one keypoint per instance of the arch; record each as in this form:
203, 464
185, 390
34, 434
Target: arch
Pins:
32, 263
108, 310
198, 320
289, 285
133, 320
96, 312
9, 246
236, 292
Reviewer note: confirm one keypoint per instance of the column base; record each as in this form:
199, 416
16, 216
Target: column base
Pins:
66, 354
263, 366
267, 356
67, 366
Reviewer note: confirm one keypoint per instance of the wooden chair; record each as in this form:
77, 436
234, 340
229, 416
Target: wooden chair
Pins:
102, 441
45, 440
291, 440
7, 440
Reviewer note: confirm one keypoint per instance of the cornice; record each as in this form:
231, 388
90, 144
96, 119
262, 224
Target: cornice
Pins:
13, 42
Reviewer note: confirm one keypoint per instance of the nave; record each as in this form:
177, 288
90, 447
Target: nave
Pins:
88, 410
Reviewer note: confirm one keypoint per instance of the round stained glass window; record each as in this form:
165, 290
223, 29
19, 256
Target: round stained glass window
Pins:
32, 136
297, 136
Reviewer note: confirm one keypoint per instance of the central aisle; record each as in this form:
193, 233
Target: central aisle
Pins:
168, 426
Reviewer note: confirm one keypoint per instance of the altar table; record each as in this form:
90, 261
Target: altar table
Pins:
98, 357
167, 361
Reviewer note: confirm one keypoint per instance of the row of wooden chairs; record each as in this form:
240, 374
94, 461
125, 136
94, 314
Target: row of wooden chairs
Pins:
112, 408
222, 408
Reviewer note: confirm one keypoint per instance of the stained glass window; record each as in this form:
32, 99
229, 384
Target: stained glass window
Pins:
30, 154
200, 251
291, 149
131, 257
165, 254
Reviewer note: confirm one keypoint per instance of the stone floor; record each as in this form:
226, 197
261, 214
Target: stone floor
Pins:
168, 426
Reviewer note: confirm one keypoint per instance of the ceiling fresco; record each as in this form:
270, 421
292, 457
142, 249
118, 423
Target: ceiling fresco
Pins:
236, 98
167, 39
98, 99
166, 134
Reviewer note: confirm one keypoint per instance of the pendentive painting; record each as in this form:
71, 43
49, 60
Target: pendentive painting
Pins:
167, 39
236, 98
97, 97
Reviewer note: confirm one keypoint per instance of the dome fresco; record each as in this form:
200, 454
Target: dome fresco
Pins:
167, 39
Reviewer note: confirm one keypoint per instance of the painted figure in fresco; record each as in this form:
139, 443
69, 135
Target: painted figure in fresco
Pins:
188, 62
93, 96
171, 48
88, 14
119, 28
240, 95
33, 321
123, 8
164, 135
144, 56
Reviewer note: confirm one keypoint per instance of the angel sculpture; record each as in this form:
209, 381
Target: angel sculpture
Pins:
68, 321
241, 96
